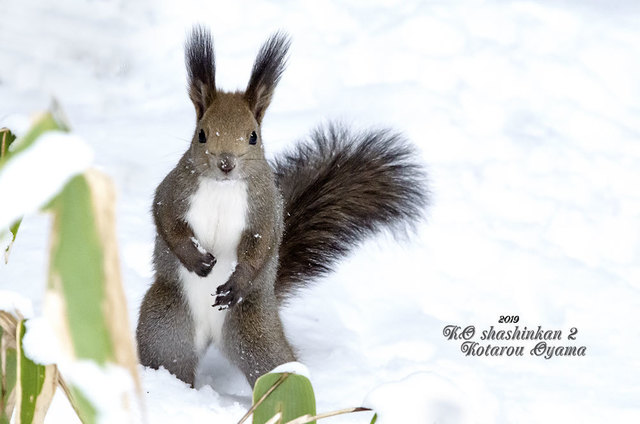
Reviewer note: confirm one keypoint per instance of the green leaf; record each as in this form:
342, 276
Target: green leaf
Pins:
6, 138
31, 381
14, 228
11, 371
36, 385
46, 122
293, 398
84, 284
77, 270
14, 232
8, 371
85, 410
374, 419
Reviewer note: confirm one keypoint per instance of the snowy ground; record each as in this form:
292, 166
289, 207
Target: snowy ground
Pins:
527, 114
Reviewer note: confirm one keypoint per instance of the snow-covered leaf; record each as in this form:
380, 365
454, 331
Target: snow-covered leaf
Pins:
84, 299
36, 385
293, 398
37, 166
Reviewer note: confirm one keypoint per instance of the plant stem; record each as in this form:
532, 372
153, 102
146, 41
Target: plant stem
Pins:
67, 392
308, 418
4, 139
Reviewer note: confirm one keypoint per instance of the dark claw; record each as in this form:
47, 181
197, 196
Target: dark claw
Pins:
224, 302
226, 296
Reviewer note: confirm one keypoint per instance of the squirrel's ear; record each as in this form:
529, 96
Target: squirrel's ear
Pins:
201, 68
266, 73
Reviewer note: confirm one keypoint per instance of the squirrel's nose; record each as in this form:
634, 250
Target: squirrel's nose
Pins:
226, 163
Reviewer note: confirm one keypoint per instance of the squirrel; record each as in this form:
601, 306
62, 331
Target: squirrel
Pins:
237, 235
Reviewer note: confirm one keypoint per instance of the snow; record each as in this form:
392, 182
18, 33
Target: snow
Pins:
19, 124
292, 367
196, 243
423, 398
39, 332
36, 175
170, 400
16, 304
110, 389
526, 114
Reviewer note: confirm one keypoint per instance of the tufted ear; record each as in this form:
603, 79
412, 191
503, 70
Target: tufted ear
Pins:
266, 73
201, 68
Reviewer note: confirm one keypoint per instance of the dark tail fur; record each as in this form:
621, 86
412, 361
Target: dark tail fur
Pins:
338, 188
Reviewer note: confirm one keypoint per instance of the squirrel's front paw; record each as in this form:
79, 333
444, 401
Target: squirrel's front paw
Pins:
195, 258
204, 264
227, 295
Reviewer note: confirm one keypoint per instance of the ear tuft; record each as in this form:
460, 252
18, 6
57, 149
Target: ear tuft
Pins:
201, 68
266, 73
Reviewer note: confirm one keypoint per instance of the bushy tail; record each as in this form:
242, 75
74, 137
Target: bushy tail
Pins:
339, 187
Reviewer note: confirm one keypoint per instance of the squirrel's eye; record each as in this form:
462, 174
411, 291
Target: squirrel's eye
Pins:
201, 137
253, 138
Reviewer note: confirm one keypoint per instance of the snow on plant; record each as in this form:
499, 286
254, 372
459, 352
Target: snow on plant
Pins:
84, 301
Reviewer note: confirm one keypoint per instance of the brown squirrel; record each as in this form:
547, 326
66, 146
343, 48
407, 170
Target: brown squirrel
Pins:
232, 225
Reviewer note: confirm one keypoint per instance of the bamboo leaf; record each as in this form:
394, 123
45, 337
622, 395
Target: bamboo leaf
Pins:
77, 271
14, 232
8, 365
85, 271
293, 398
6, 138
45, 122
115, 304
83, 407
36, 385
8, 371
85, 299
11, 372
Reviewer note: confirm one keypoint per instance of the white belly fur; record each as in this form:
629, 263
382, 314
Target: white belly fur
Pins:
217, 215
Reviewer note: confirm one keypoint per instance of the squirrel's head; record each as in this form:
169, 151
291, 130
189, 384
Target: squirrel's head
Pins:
227, 137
